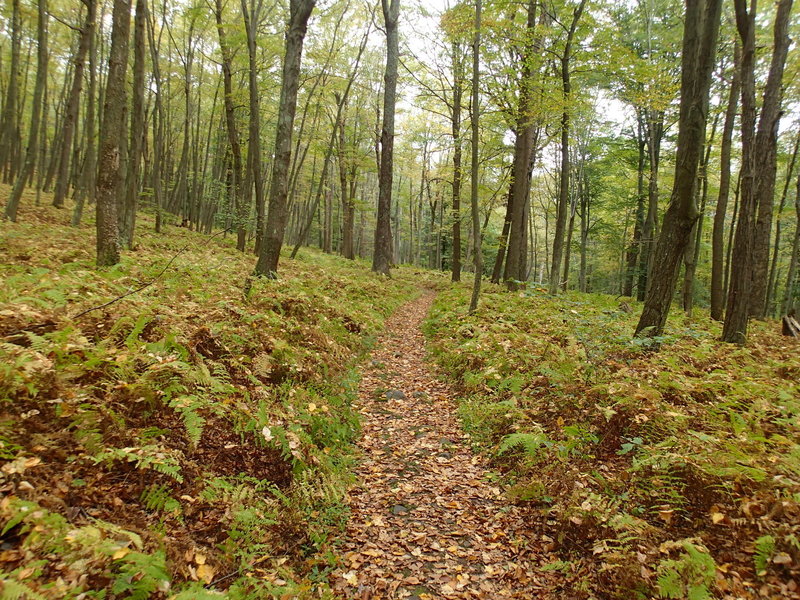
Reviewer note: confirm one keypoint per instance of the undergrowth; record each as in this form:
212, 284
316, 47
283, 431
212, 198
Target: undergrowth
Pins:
189, 441
672, 473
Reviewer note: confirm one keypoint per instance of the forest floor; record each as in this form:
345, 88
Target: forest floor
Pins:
427, 521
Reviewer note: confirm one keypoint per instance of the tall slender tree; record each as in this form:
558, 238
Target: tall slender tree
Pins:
9, 128
477, 255
252, 17
108, 171
718, 232
73, 105
269, 255
757, 178
127, 216
766, 149
519, 195
564, 187
701, 26
32, 150
382, 253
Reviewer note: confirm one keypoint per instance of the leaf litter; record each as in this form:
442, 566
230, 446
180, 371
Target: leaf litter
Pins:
426, 520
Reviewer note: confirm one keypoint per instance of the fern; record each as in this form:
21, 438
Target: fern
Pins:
187, 406
530, 442
140, 575
158, 499
150, 457
132, 340
765, 548
690, 576
14, 590
86, 424
198, 592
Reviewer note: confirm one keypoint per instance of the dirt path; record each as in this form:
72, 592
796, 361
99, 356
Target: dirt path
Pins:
425, 521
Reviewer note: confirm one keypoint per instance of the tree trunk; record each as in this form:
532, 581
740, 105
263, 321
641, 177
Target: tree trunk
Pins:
9, 128
585, 200
477, 254
236, 188
131, 199
300, 11
563, 198
87, 182
458, 82
766, 146
655, 133
692, 254
519, 199
71, 115
382, 252
158, 128
740, 292
497, 270
108, 173
251, 20
632, 259
701, 26
772, 297
791, 277
36, 111
717, 235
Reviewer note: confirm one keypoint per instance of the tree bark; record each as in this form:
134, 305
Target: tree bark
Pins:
718, 233
131, 199
36, 112
791, 276
655, 133
236, 188
251, 19
477, 254
71, 115
772, 296
9, 133
701, 26
382, 252
86, 188
740, 292
115, 100
563, 197
299, 13
519, 199
458, 90
766, 145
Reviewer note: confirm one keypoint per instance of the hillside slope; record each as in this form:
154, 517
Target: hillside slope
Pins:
666, 473
186, 437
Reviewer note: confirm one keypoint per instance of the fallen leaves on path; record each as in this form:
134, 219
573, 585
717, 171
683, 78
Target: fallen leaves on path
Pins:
425, 520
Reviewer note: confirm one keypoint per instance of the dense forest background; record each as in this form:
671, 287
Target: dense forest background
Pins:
579, 117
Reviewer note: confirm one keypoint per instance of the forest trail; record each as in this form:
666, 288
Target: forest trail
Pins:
425, 522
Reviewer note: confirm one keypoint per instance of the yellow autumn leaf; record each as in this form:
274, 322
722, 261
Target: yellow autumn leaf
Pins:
206, 573
121, 553
351, 578
200, 559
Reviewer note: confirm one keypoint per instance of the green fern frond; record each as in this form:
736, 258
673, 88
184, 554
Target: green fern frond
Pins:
765, 547
158, 499
140, 575
14, 590
530, 442
188, 406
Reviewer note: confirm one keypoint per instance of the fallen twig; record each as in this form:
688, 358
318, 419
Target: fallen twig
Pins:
149, 283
